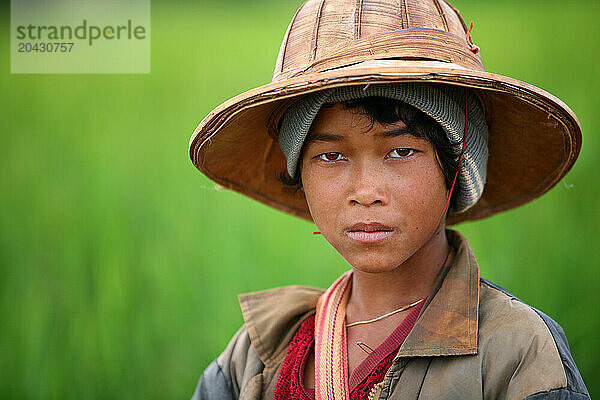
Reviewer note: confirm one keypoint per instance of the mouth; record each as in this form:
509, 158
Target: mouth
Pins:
369, 233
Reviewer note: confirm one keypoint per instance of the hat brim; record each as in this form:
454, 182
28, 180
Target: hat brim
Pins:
534, 138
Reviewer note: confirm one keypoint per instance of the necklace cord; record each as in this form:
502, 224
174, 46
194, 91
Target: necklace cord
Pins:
384, 315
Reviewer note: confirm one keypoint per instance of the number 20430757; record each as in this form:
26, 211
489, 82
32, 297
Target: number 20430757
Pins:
45, 47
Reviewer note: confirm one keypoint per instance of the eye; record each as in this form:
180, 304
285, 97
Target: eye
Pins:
401, 153
331, 157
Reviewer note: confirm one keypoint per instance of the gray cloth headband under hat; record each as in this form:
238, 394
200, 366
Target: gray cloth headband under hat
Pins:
444, 103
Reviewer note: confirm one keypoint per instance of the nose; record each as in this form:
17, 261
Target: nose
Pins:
367, 187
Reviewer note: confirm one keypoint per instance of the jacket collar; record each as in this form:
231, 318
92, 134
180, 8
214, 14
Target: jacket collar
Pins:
273, 316
447, 325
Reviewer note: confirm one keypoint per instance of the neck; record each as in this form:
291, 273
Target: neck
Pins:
374, 294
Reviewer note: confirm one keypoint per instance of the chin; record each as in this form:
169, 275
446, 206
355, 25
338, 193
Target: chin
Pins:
373, 263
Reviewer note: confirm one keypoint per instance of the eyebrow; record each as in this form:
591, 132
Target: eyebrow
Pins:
397, 132
329, 137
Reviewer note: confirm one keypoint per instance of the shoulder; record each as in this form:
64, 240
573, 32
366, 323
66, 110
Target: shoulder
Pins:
224, 377
524, 351
271, 318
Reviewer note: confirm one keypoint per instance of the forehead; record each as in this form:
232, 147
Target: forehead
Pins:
338, 115
338, 123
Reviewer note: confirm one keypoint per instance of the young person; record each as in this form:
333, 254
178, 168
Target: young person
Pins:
382, 127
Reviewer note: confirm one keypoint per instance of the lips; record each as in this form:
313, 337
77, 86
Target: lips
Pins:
369, 232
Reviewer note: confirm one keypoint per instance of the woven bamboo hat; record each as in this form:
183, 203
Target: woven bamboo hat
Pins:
534, 138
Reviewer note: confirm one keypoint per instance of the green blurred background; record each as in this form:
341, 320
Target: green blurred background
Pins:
120, 263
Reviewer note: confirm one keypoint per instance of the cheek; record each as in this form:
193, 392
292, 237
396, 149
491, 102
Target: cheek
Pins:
323, 194
421, 193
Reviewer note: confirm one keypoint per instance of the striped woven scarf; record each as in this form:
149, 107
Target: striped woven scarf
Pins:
331, 371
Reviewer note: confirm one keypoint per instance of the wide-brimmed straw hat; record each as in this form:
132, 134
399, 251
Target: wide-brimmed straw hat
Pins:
534, 138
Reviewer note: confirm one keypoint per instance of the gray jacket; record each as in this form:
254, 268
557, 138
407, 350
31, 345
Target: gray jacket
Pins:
472, 340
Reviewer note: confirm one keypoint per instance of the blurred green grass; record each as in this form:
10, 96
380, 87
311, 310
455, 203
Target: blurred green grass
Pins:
120, 263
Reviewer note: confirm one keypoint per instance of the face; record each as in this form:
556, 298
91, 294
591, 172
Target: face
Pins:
376, 193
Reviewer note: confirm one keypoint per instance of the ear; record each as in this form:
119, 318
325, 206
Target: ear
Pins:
437, 159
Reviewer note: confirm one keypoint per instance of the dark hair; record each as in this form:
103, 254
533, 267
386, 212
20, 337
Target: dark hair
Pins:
388, 111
